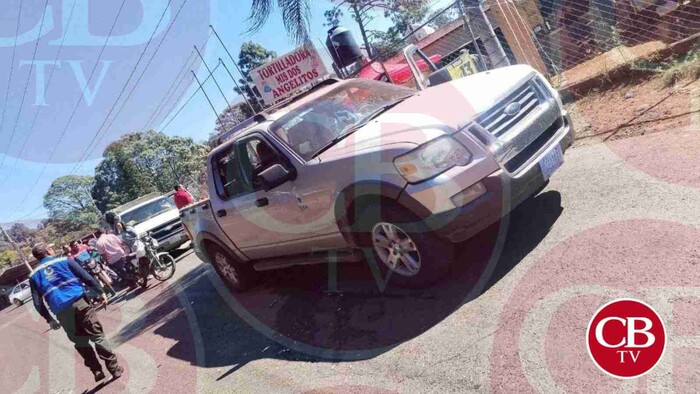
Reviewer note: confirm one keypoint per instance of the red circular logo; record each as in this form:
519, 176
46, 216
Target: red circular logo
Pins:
626, 338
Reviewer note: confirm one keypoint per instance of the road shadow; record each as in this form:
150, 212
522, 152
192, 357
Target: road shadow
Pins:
311, 320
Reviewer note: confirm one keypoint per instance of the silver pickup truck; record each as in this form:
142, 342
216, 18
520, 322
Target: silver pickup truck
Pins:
155, 214
368, 171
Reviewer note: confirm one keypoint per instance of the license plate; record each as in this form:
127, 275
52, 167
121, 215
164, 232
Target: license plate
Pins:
551, 161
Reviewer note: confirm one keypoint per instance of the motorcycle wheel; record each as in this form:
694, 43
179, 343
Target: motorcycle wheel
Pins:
163, 268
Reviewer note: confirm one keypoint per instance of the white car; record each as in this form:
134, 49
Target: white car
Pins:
20, 293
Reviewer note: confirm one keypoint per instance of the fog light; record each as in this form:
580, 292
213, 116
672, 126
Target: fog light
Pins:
469, 194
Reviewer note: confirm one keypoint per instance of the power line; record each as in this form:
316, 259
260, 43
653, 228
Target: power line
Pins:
174, 86
189, 99
26, 85
48, 85
177, 81
12, 66
75, 109
97, 137
126, 83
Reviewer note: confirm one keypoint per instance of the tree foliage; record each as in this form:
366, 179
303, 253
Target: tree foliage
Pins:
68, 199
295, 16
402, 13
19, 232
140, 163
252, 56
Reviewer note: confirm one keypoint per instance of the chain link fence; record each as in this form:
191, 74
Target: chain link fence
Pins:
568, 40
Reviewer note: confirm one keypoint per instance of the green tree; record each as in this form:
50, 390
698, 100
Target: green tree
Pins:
403, 13
8, 258
252, 56
20, 233
229, 118
140, 163
68, 199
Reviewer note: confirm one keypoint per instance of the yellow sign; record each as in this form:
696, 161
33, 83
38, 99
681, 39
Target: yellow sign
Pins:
462, 66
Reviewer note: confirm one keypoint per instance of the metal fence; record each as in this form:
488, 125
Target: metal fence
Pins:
560, 38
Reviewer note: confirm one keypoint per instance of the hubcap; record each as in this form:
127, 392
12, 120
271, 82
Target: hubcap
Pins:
396, 249
226, 269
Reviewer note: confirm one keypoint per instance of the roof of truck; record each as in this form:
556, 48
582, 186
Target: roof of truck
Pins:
279, 110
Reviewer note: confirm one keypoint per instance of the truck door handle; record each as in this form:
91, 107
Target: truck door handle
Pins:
221, 213
262, 202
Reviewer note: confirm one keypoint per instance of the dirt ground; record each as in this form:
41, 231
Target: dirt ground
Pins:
636, 109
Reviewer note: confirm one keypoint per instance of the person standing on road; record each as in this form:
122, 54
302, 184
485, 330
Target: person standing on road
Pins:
182, 197
59, 282
112, 248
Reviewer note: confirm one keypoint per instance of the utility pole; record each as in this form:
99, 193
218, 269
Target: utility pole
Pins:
211, 74
361, 24
16, 248
237, 85
207, 96
237, 68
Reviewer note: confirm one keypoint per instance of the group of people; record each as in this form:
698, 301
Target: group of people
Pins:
61, 282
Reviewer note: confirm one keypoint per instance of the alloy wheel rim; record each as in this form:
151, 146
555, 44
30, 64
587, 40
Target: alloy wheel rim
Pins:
227, 269
396, 249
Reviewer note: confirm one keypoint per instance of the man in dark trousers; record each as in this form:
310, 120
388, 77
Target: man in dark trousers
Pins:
59, 282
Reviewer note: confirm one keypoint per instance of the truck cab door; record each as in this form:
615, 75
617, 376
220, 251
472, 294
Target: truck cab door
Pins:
260, 223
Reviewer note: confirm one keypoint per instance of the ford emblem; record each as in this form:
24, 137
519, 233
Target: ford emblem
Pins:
512, 108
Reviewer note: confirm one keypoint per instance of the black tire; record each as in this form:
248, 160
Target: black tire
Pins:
434, 253
238, 277
166, 268
17, 302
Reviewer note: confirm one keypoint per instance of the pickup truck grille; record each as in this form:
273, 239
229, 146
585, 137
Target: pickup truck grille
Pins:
164, 231
498, 121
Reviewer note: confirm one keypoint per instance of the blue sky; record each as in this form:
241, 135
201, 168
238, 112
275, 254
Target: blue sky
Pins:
31, 158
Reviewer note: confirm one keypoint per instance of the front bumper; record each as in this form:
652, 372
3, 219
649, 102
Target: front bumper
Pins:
173, 241
505, 190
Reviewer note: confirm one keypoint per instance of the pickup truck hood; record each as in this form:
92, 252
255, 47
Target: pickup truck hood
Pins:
435, 111
150, 224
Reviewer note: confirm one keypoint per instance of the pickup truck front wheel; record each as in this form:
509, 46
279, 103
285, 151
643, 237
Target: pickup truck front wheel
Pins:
237, 277
406, 251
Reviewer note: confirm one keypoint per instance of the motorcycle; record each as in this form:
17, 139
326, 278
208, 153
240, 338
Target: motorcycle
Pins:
146, 260
91, 262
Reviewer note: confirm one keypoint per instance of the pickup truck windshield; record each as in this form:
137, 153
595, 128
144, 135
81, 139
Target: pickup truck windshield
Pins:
314, 125
147, 211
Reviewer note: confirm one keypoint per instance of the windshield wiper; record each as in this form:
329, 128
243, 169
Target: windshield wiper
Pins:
362, 123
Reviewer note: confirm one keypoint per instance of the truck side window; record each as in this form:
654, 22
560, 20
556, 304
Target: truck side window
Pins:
258, 157
229, 183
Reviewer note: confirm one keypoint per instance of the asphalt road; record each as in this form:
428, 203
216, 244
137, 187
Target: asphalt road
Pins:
618, 219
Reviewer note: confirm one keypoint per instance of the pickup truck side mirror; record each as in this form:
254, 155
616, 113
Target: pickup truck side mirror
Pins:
274, 176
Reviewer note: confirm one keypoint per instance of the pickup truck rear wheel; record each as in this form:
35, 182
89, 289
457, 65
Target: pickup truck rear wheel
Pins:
235, 275
401, 243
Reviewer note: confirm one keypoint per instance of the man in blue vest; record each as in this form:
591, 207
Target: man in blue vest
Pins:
59, 282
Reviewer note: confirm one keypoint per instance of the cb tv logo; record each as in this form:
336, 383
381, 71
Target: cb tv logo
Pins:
626, 338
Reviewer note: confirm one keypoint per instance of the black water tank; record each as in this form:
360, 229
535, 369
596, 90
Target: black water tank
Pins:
342, 46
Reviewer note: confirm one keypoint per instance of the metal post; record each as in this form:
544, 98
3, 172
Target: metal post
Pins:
207, 96
488, 35
92, 200
237, 85
211, 74
245, 77
17, 249
468, 26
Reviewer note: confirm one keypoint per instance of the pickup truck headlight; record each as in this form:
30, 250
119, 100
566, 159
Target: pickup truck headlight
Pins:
432, 158
548, 88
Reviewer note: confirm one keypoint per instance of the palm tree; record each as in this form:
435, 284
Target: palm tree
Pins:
295, 16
